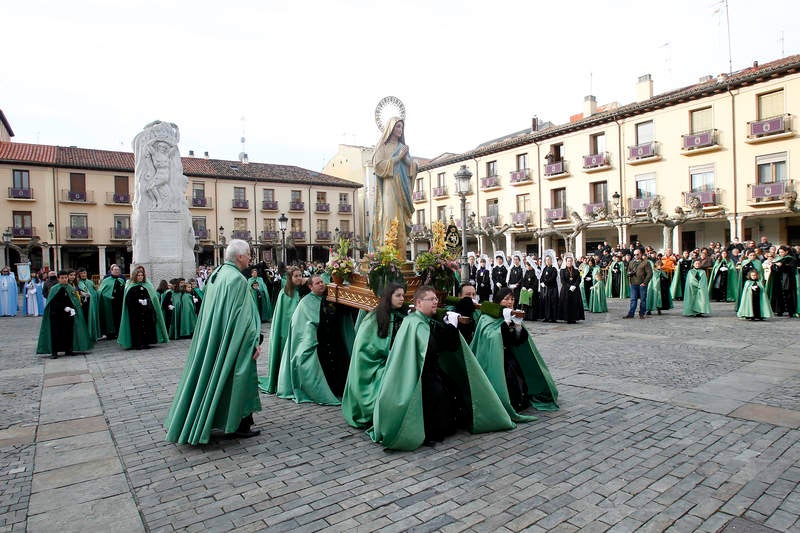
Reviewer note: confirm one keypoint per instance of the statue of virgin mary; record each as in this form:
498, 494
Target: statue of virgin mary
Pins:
395, 171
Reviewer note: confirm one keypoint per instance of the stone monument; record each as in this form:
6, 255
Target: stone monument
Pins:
162, 235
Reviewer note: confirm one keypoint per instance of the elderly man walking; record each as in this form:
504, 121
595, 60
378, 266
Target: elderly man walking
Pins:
639, 274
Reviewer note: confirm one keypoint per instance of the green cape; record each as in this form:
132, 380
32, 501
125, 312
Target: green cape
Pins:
265, 306
770, 284
398, 415
219, 385
183, 317
301, 377
107, 325
584, 268
487, 345
695, 294
675, 286
733, 280
81, 341
281, 318
124, 338
597, 296
364, 376
93, 322
746, 302
654, 299
624, 286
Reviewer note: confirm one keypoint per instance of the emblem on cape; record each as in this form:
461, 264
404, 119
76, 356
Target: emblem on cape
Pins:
388, 107
452, 239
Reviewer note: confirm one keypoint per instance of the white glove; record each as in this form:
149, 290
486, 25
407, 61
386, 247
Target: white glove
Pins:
541, 285
498, 285
514, 286
754, 288
170, 307
517, 320
723, 269
572, 288
194, 299
507, 315
70, 310
142, 302
451, 318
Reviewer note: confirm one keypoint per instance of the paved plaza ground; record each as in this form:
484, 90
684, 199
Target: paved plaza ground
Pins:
668, 423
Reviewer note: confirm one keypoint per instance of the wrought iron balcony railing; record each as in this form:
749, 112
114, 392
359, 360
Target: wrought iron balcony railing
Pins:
20, 193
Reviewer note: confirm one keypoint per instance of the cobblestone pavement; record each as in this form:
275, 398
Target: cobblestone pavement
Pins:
668, 423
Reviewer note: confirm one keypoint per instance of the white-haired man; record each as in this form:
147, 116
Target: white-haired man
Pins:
219, 386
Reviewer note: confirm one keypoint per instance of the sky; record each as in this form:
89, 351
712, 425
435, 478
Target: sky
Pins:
298, 78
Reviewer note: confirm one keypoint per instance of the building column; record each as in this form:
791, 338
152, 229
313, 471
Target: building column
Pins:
676, 238
509, 243
46, 257
624, 234
101, 260
57, 257
580, 245
3, 257
310, 252
736, 225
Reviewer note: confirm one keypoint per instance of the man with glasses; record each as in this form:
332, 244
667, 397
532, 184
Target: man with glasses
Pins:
639, 274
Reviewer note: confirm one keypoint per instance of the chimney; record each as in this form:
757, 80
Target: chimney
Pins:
644, 88
206, 155
535, 124
706, 79
755, 64
243, 157
191, 153
589, 105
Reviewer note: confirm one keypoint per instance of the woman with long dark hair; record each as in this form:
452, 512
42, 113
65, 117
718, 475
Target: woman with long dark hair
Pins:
371, 347
288, 298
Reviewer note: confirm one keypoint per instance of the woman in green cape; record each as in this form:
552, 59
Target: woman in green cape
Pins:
93, 317
754, 302
587, 281
288, 298
695, 293
60, 299
659, 297
597, 298
749, 263
508, 355
724, 280
373, 341
431, 385
617, 280
142, 323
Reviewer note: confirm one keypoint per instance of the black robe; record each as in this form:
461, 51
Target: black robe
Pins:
142, 318
483, 284
61, 323
784, 286
331, 348
117, 297
473, 271
588, 281
570, 304
530, 281
166, 301
466, 308
549, 293
499, 275
515, 278
719, 286
616, 279
515, 378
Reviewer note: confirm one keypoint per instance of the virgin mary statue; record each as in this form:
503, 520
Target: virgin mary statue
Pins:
394, 173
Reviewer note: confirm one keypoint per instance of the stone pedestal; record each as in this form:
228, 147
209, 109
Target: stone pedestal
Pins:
165, 253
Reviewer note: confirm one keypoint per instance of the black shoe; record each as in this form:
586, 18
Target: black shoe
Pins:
246, 434
650, 313
627, 316
69, 353
659, 311
54, 356
642, 317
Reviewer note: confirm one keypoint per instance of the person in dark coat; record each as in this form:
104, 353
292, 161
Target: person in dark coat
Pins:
141, 313
783, 283
515, 275
570, 304
530, 284
548, 289
483, 281
499, 272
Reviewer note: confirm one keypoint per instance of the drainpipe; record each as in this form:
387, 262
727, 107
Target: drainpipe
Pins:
478, 206
735, 167
541, 205
620, 234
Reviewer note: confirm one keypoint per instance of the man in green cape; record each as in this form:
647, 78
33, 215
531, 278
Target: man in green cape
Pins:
219, 385
63, 327
126, 337
399, 418
112, 293
93, 317
617, 285
261, 296
314, 371
695, 294
489, 350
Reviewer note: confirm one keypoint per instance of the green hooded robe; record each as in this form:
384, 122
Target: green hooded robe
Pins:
624, 286
367, 365
183, 317
281, 318
584, 270
732, 294
301, 377
695, 294
124, 338
487, 345
398, 415
107, 324
746, 301
93, 322
81, 341
264, 304
219, 385
597, 295
655, 301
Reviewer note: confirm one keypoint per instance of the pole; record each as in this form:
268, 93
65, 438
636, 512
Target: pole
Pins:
464, 263
283, 245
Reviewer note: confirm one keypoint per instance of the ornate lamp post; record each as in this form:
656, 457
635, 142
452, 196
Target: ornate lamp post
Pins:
463, 177
7, 241
282, 220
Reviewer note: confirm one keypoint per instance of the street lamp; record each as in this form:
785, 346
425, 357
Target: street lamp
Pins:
463, 177
7, 241
196, 250
51, 227
282, 220
615, 198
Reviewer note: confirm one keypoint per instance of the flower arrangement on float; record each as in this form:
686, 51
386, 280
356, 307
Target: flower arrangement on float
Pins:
437, 267
384, 264
340, 266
